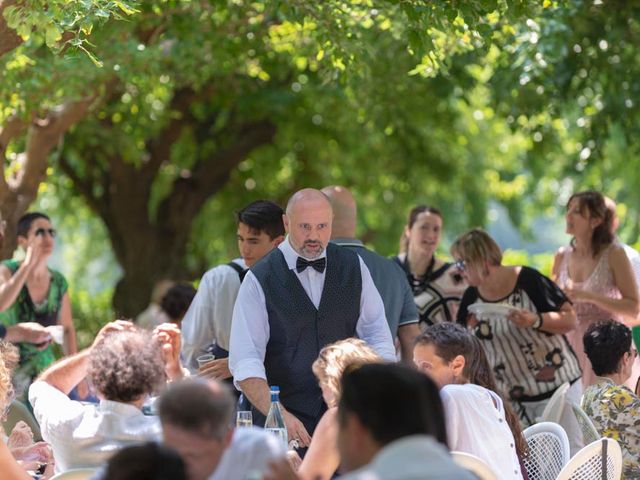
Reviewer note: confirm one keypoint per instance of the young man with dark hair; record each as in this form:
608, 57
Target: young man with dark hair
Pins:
208, 320
197, 420
391, 425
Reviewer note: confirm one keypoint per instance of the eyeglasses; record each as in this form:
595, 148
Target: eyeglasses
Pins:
460, 265
41, 231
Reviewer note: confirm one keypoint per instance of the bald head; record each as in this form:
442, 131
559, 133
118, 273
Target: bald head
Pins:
308, 222
611, 206
345, 213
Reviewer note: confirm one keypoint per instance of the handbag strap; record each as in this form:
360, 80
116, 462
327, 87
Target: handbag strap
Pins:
605, 444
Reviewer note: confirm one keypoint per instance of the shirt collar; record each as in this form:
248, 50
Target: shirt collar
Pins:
291, 256
347, 242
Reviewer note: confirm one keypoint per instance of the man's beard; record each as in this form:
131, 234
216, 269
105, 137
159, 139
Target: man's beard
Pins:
311, 254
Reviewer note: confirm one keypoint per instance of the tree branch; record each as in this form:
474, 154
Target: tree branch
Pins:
9, 39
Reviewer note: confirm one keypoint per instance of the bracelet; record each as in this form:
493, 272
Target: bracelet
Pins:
538, 323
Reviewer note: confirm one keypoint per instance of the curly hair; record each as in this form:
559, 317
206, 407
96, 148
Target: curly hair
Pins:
127, 365
335, 358
8, 360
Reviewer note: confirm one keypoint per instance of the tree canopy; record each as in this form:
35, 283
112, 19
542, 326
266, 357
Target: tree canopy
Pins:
166, 116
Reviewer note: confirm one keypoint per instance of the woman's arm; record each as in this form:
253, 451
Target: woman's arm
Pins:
555, 269
70, 345
562, 321
322, 458
10, 285
628, 306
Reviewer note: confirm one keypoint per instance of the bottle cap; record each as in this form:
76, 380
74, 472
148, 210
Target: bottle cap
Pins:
274, 389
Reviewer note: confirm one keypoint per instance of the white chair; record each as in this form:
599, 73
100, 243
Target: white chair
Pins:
553, 411
475, 465
593, 462
589, 432
76, 474
548, 450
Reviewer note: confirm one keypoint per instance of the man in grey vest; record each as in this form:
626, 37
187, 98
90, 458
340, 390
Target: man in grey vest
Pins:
389, 278
303, 295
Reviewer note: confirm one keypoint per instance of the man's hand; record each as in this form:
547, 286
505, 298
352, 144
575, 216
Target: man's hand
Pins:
170, 339
216, 369
117, 326
296, 430
29, 332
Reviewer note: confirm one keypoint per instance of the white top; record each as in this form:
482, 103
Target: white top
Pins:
250, 451
416, 457
86, 435
476, 424
209, 316
250, 326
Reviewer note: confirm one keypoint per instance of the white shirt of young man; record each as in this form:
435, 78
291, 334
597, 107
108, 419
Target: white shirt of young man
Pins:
85, 436
250, 325
209, 316
249, 453
416, 457
476, 424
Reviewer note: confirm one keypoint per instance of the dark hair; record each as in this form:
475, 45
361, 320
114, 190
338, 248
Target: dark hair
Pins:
594, 203
413, 217
25, 221
127, 365
392, 401
605, 343
263, 216
203, 408
176, 301
451, 340
149, 461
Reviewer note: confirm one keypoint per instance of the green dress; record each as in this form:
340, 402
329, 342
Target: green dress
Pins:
33, 361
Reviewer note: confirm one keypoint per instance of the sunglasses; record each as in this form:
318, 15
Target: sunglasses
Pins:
460, 265
41, 231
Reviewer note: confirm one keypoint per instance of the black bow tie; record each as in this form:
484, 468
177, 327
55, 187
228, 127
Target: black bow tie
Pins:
318, 264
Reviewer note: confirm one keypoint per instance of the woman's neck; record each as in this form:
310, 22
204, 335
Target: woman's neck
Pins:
498, 282
418, 264
617, 378
582, 246
40, 272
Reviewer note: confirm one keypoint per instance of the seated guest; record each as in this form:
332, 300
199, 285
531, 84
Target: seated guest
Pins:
478, 421
391, 426
322, 458
197, 418
150, 461
125, 366
613, 408
15, 448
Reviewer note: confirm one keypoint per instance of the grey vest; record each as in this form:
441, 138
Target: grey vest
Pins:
298, 330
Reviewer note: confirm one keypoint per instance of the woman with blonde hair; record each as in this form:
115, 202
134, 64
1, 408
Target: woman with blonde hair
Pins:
594, 272
520, 317
322, 458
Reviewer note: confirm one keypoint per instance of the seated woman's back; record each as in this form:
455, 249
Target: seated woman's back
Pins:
476, 424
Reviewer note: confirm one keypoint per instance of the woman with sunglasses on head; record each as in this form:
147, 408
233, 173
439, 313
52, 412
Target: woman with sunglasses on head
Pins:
32, 292
521, 318
594, 271
437, 286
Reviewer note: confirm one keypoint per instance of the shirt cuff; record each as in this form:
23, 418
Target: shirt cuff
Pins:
408, 322
248, 368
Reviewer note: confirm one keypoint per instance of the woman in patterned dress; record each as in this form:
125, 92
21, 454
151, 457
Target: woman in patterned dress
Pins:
613, 408
526, 347
32, 292
437, 286
594, 271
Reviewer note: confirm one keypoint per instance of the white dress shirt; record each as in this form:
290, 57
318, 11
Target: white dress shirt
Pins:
476, 424
250, 326
249, 453
86, 435
209, 316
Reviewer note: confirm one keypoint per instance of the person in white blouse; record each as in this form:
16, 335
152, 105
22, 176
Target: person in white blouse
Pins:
305, 294
125, 366
478, 421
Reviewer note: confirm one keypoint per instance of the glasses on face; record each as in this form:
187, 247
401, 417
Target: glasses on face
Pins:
41, 232
460, 265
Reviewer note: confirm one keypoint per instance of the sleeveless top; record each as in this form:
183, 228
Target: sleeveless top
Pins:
599, 281
33, 361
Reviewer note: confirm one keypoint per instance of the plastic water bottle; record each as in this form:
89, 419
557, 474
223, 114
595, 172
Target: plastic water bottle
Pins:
275, 419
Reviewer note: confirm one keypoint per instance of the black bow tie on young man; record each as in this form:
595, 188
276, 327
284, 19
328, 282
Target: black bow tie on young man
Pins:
318, 264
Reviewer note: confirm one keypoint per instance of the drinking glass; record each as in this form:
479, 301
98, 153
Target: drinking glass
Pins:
244, 419
204, 359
